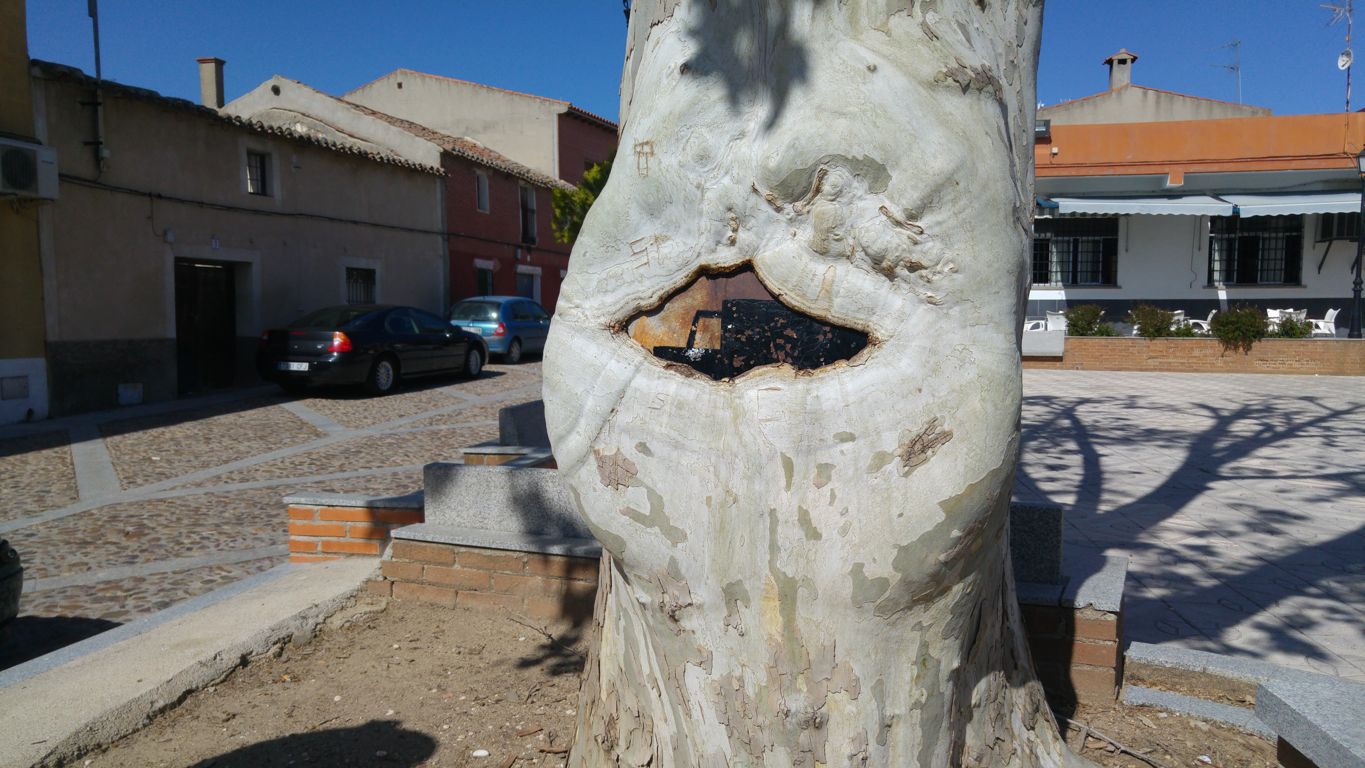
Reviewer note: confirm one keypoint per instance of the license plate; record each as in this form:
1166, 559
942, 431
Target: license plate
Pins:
474, 329
293, 366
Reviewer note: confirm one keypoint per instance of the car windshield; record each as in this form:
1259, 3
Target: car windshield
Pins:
475, 311
331, 317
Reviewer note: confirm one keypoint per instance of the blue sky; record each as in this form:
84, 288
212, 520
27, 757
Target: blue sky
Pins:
571, 49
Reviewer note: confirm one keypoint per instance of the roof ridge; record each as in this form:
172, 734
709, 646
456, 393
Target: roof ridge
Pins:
54, 70
405, 70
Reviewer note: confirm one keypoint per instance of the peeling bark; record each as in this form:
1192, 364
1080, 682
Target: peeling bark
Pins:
807, 567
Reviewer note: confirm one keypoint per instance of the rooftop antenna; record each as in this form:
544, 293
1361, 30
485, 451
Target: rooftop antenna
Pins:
1236, 66
1344, 12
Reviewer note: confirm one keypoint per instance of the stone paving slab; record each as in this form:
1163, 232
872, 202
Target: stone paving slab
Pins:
1240, 500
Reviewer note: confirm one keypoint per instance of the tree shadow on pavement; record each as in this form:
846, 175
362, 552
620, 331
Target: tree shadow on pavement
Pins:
378, 742
1268, 549
28, 637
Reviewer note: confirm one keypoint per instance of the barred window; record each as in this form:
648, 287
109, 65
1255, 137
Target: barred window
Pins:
1262, 250
1080, 251
1338, 226
359, 285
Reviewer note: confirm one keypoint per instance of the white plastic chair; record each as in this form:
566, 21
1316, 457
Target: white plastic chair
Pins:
1056, 321
1205, 325
1327, 326
1272, 318
1035, 325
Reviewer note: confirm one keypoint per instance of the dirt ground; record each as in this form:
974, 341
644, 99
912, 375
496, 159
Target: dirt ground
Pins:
414, 685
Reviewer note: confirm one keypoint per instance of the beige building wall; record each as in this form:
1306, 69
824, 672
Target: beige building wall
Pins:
521, 126
23, 390
1136, 104
111, 261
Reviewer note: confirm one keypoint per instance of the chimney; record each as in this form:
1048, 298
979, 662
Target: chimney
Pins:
211, 82
1121, 69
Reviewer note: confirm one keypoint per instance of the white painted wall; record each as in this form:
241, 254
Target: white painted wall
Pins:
521, 126
1166, 258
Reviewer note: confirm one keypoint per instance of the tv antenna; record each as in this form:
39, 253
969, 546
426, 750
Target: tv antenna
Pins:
1344, 13
1236, 66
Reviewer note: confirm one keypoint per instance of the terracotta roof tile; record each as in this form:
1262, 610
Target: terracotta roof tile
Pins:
53, 71
466, 148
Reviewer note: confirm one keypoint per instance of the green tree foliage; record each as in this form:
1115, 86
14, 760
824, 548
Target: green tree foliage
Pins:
571, 205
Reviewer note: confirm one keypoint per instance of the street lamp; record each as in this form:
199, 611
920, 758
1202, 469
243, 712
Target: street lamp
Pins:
1354, 333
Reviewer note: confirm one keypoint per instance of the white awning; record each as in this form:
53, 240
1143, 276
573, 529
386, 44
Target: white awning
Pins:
1175, 205
1303, 202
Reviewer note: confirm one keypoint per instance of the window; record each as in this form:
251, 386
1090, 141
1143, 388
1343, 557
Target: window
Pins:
528, 215
526, 285
483, 282
1263, 250
258, 173
1080, 251
481, 191
401, 322
359, 285
1338, 226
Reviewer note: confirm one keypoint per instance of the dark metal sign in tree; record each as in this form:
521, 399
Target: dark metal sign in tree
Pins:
783, 384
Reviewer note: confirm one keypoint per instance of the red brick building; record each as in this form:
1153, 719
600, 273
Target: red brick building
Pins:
498, 214
496, 210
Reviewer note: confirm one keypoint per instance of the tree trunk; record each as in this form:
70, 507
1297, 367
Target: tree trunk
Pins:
808, 555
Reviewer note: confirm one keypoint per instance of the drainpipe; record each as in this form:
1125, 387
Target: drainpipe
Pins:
101, 152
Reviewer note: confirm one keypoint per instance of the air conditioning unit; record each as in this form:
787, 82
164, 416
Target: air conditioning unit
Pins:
27, 170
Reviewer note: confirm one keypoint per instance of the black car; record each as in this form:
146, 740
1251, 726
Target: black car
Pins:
367, 344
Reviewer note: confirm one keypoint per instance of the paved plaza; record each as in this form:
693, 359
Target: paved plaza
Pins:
122, 513
1239, 498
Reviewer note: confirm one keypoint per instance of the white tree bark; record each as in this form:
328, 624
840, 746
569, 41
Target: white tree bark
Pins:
809, 568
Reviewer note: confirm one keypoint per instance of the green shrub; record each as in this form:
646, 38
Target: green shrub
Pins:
1289, 328
1239, 327
1087, 320
1185, 332
1151, 322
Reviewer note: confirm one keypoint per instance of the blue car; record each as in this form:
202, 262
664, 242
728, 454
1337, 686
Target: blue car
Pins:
510, 325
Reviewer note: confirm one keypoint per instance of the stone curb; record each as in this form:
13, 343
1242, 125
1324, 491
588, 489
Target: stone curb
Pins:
1323, 719
511, 541
1227, 714
57, 715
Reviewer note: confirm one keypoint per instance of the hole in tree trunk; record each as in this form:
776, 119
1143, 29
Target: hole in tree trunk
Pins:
727, 323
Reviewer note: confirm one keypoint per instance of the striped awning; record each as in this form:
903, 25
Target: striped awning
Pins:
1290, 204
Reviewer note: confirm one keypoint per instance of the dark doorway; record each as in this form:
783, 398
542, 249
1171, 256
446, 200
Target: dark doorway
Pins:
205, 325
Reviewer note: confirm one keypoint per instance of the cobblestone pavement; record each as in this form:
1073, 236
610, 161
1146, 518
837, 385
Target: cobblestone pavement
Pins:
123, 513
1239, 498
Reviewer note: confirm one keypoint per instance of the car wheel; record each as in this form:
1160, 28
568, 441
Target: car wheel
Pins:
513, 355
383, 377
473, 364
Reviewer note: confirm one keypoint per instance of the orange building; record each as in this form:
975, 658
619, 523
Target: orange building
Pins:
1198, 214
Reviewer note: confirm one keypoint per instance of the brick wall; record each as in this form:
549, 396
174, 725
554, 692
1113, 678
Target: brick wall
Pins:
318, 533
535, 585
1341, 357
1075, 652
